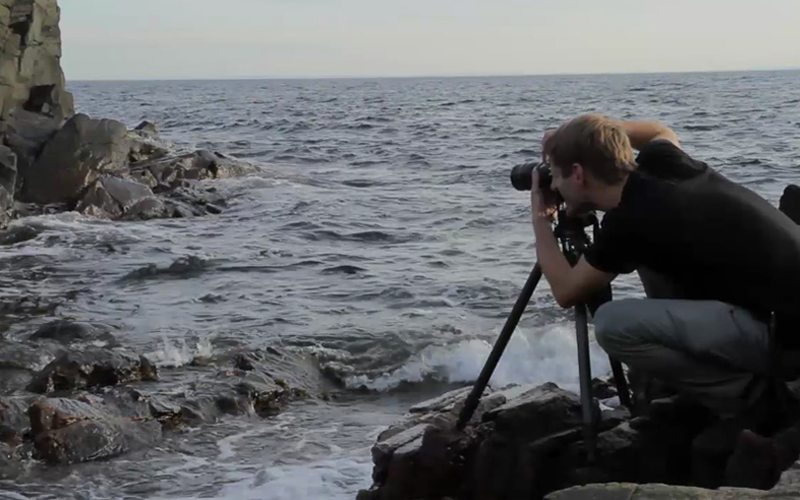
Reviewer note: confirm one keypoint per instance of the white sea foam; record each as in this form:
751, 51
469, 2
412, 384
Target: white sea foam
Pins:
177, 352
547, 354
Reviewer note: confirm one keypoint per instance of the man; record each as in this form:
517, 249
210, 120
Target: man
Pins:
715, 258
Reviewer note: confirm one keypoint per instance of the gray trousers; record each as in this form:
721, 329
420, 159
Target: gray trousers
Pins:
707, 349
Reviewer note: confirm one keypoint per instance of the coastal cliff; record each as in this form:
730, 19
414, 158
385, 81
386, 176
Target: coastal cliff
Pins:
52, 159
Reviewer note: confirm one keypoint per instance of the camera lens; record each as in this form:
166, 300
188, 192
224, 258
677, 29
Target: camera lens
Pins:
521, 176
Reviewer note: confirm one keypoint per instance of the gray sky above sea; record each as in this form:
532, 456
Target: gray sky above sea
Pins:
186, 39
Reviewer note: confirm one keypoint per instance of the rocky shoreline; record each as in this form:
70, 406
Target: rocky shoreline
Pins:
96, 400
52, 159
526, 442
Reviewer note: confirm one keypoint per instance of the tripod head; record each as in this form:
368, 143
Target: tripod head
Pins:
571, 232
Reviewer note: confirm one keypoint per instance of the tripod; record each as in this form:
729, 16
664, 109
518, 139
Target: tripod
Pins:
572, 236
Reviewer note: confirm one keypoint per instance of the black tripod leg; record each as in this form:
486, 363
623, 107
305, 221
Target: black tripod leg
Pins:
585, 377
474, 397
622, 384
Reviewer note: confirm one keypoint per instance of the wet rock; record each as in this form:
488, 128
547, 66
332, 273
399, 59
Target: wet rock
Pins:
116, 198
91, 427
17, 234
10, 466
528, 442
8, 178
537, 412
81, 152
199, 411
88, 440
13, 419
147, 129
93, 367
68, 332
166, 412
55, 413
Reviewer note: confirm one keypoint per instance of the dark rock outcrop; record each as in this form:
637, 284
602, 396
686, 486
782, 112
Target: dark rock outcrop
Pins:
69, 431
115, 198
91, 368
30, 59
68, 332
527, 442
80, 153
8, 179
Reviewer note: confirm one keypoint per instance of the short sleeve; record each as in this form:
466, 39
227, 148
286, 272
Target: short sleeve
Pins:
664, 160
612, 250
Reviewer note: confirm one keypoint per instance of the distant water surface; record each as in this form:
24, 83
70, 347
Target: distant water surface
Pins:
383, 235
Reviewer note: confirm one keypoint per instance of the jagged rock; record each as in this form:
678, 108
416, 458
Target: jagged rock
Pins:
93, 367
537, 412
147, 129
69, 332
121, 198
17, 234
88, 440
80, 153
529, 441
92, 427
627, 491
13, 419
8, 178
30, 73
10, 465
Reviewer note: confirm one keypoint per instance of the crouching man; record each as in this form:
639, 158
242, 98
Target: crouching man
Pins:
716, 259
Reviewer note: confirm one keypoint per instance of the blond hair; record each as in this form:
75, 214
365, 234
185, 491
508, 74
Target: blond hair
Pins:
597, 143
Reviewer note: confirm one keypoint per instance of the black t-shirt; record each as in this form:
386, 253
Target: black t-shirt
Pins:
714, 238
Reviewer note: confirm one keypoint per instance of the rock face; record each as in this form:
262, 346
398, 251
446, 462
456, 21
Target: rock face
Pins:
82, 151
56, 160
30, 60
91, 368
527, 443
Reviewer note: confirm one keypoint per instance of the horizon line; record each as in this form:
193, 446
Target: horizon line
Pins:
432, 76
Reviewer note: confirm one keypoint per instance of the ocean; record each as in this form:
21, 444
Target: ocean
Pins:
382, 235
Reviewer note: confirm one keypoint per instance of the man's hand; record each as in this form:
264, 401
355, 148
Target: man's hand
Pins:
541, 204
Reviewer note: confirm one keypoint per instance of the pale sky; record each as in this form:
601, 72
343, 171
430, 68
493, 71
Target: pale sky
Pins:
166, 39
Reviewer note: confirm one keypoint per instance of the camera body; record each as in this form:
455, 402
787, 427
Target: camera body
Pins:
522, 180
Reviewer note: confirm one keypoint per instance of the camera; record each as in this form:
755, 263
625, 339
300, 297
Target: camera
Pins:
522, 176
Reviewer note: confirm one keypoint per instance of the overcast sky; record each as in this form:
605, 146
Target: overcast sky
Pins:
154, 39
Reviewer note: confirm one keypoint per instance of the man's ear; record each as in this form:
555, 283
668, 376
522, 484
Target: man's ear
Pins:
578, 173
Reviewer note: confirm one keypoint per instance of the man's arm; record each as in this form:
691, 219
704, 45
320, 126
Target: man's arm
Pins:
642, 133
570, 285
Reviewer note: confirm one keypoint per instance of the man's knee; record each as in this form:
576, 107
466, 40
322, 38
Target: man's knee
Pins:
614, 324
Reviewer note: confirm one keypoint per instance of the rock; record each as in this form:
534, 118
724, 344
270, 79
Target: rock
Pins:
93, 367
626, 491
8, 178
147, 129
10, 465
117, 198
529, 442
69, 332
80, 153
17, 234
88, 440
13, 419
30, 73
537, 412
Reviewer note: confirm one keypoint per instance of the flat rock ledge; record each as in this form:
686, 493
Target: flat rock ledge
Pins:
526, 442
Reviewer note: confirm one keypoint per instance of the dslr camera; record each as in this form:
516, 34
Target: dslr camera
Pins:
522, 179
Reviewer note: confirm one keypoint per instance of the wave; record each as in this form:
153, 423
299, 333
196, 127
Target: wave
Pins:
544, 355
178, 353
